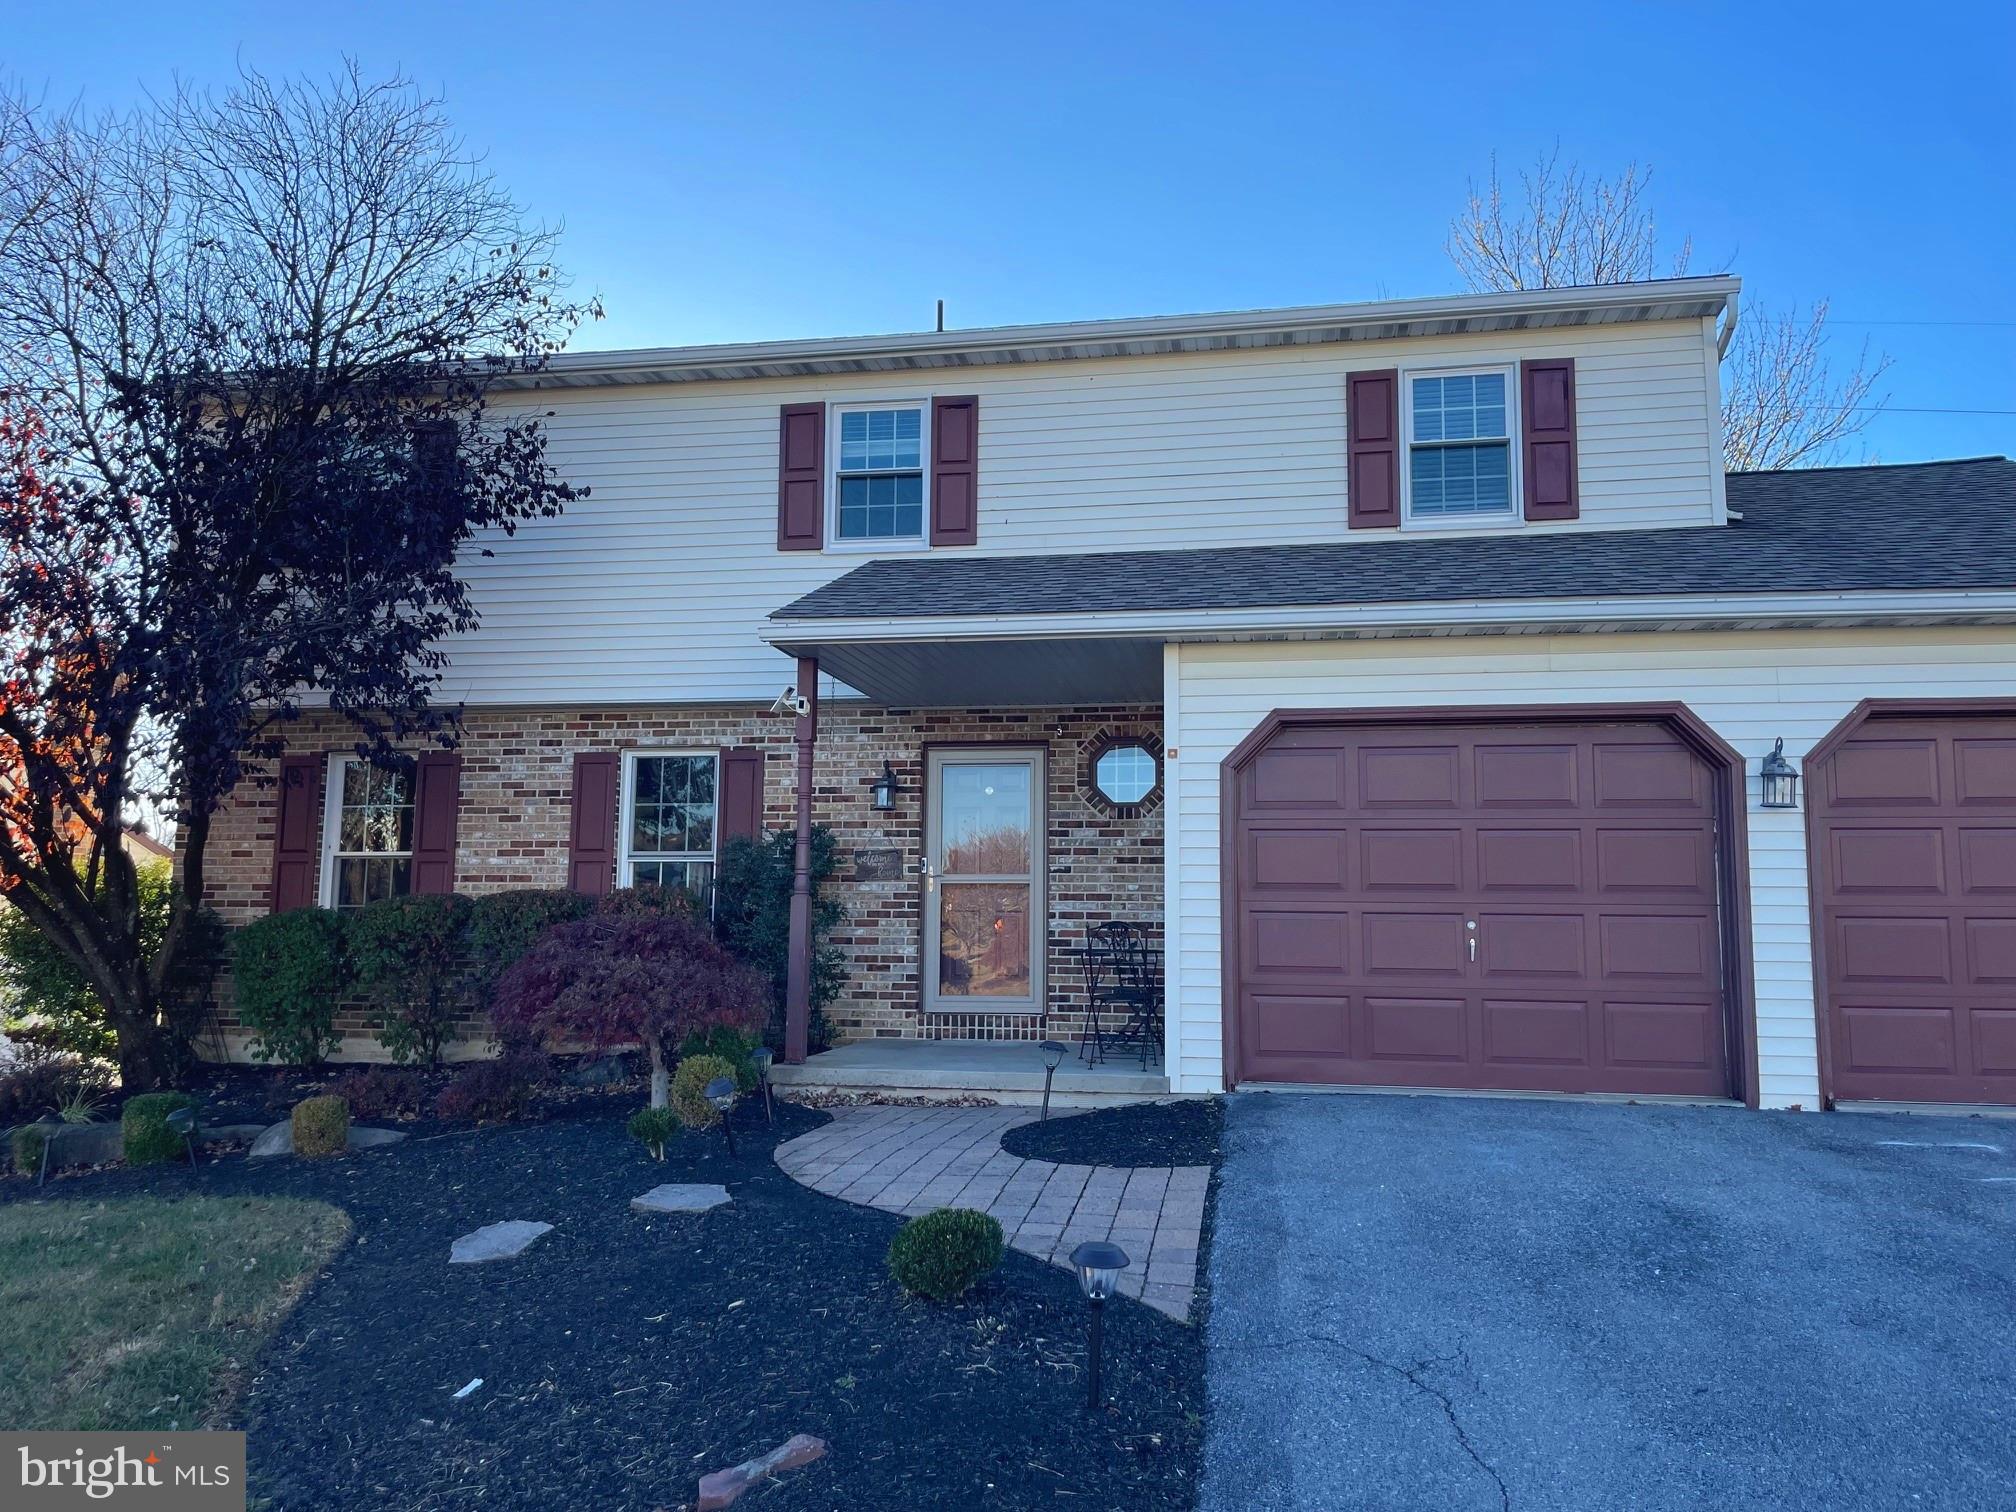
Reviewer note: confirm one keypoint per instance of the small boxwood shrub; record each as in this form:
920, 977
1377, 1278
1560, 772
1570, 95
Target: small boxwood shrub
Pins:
942, 1254
26, 1143
725, 1044
380, 1092
653, 1128
493, 1091
144, 1131
689, 1088
321, 1126
504, 926
407, 956
288, 975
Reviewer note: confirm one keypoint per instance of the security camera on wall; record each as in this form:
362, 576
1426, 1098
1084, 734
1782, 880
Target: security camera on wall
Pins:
791, 701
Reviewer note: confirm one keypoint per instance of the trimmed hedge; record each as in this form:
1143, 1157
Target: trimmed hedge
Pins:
944, 1254
321, 1126
288, 975
409, 958
504, 926
654, 1128
689, 1088
144, 1131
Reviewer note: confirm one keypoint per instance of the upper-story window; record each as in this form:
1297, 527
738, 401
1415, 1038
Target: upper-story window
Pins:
878, 475
1459, 446
367, 834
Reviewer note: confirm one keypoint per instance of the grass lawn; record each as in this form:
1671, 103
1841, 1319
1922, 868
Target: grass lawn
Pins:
140, 1312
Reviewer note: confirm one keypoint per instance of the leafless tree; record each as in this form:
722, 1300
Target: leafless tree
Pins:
1784, 404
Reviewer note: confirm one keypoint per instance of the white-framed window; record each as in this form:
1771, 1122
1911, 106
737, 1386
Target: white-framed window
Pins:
881, 456
1462, 466
367, 833
667, 830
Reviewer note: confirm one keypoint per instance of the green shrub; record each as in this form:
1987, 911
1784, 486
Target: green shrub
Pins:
26, 1143
942, 1254
144, 1127
321, 1126
653, 1128
752, 915
725, 1043
288, 975
503, 926
689, 1087
407, 956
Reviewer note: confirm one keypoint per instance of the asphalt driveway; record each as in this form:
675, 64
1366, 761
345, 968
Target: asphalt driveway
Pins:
1450, 1303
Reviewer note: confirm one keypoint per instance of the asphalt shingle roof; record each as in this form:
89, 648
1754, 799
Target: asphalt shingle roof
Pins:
1919, 526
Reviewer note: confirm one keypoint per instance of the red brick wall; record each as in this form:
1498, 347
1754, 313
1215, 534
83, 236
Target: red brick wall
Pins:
516, 784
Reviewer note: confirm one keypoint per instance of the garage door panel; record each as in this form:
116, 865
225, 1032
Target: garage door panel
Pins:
1529, 860
1893, 773
1296, 858
1653, 861
1915, 950
1648, 775
1536, 1033
1991, 952
1883, 1037
1889, 860
1409, 777
1519, 776
1533, 945
1988, 860
1583, 854
1669, 1036
1994, 1034
1411, 860
1417, 1029
1413, 944
1658, 947
1985, 772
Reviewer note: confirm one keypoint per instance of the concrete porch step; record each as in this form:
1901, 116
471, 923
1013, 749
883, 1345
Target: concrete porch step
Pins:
1009, 1071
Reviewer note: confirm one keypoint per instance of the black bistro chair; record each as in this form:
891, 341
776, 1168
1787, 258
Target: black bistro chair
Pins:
1123, 986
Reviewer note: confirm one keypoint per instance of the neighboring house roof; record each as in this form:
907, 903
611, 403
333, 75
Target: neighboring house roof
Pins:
142, 846
1146, 335
1923, 526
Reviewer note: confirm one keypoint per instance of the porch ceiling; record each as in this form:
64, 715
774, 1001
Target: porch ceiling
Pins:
966, 674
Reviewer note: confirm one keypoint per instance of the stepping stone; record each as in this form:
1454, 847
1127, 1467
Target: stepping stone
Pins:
674, 1197
497, 1241
279, 1139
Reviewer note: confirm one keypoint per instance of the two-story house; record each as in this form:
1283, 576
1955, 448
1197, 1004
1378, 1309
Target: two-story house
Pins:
1408, 670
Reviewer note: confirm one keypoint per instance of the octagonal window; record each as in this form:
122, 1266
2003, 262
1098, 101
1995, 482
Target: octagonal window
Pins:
1125, 773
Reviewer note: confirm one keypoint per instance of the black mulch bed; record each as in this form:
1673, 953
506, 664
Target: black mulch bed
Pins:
1134, 1134
623, 1357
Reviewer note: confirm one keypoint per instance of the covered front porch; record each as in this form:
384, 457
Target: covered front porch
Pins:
1007, 1071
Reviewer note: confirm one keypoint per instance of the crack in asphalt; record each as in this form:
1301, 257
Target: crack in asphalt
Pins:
1411, 1374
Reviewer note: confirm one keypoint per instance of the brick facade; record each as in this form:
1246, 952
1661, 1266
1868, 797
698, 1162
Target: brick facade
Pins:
1105, 863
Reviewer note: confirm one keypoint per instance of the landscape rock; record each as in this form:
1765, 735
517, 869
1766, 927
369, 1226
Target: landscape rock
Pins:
228, 1134
279, 1139
598, 1071
720, 1489
86, 1145
497, 1241
675, 1197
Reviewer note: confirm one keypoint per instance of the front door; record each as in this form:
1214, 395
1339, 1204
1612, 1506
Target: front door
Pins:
983, 899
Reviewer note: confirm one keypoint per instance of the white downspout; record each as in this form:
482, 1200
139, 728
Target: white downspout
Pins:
1728, 332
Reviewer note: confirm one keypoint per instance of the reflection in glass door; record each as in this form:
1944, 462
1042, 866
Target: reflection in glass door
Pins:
983, 907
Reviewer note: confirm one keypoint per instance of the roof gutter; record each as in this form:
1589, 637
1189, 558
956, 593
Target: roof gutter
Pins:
1728, 332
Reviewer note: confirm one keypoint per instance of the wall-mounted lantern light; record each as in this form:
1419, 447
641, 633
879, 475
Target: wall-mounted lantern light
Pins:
882, 796
1780, 782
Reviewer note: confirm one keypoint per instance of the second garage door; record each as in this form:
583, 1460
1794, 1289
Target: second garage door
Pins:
1518, 907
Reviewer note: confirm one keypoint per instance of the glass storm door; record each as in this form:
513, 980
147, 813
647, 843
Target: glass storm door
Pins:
983, 889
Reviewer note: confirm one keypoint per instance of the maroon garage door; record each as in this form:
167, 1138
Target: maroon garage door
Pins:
1492, 906
1914, 823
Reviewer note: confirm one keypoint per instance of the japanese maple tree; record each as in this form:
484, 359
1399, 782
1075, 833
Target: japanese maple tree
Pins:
248, 346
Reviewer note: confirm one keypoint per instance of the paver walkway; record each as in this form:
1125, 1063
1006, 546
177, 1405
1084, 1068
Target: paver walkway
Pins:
911, 1160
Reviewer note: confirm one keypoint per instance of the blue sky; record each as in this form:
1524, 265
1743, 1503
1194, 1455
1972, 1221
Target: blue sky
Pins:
737, 172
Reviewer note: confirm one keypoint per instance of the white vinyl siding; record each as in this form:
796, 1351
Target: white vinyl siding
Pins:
653, 588
1750, 688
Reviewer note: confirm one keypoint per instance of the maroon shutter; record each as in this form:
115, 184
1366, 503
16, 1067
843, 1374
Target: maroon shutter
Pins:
1547, 410
437, 800
1372, 431
741, 795
296, 859
955, 471
591, 830
801, 478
